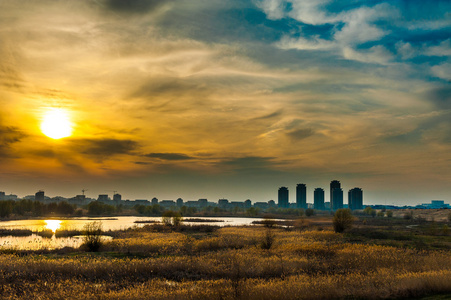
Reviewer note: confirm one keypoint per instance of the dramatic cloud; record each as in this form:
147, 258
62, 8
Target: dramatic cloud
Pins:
104, 147
169, 156
241, 96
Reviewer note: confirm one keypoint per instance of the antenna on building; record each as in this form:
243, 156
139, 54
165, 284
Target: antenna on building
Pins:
83, 191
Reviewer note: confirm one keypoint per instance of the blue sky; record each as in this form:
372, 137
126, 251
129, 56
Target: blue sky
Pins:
230, 99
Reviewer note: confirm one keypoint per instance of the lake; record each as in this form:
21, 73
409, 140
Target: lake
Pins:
35, 242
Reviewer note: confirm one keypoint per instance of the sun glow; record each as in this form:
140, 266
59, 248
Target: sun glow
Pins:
53, 225
56, 123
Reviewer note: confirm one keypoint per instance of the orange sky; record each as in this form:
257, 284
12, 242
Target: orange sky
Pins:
168, 100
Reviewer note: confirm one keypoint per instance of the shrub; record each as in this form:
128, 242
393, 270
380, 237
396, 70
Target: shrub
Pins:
370, 211
408, 215
309, 212
389, 214
268, 239
171, 218
380, 214
268, 221
92, 236
342, 220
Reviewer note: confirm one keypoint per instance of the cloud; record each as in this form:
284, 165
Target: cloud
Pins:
442, 71
169, 156
440, 96
350, 29
313, 43
270, 116
442, 49
104, 147
249, 163
135, 6
9, 135
274, 9
310, 12
376, 54
300, 134
359, 24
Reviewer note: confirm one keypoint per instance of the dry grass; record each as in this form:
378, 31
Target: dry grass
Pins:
228, 264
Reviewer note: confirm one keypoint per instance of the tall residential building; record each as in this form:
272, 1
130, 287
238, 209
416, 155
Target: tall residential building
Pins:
318, 199
103, 198
2, 195
355, 198
39, 196
283, 197
179, 202
334, 184
154, 201
337, 196
117, 197
301, 196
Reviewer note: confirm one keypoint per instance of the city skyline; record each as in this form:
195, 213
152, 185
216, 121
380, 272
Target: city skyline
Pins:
214, 99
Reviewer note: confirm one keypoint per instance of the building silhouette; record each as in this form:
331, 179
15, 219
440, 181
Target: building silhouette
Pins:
318, 199
337, 196
283, 197
301, 196
335, 184
117, 197
179, 202
39, 196
355, 198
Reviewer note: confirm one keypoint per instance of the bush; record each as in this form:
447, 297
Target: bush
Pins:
389, 214
370, 211
268, 221
92, 236
408, 215
309, 212
171, 218
268, 240
342, 220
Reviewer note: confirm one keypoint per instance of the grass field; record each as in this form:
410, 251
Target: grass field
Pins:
377, 259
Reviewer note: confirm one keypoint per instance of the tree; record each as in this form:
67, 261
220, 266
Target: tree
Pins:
369, 211
92, 236
343, 220
171, 218
6, 208
65, 208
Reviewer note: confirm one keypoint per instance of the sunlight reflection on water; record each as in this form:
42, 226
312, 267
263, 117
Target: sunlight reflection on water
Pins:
53, 225
35, 242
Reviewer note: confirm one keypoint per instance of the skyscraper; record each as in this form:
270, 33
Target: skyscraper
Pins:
301, 196
337, 196
283, 197
39, 196
318, 199
335, 184
355, 198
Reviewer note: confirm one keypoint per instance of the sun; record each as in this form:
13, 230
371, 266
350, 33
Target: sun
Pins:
56, 123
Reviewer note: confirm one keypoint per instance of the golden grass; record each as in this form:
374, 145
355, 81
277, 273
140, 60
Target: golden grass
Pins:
228, 264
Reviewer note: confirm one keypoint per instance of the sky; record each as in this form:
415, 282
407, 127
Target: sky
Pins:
227, 99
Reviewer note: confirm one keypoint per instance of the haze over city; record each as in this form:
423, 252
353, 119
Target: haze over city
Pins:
226, 99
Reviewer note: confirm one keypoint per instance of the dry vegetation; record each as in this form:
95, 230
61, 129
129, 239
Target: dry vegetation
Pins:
193, 262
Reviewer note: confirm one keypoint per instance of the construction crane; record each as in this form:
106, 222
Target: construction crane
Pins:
83, 191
